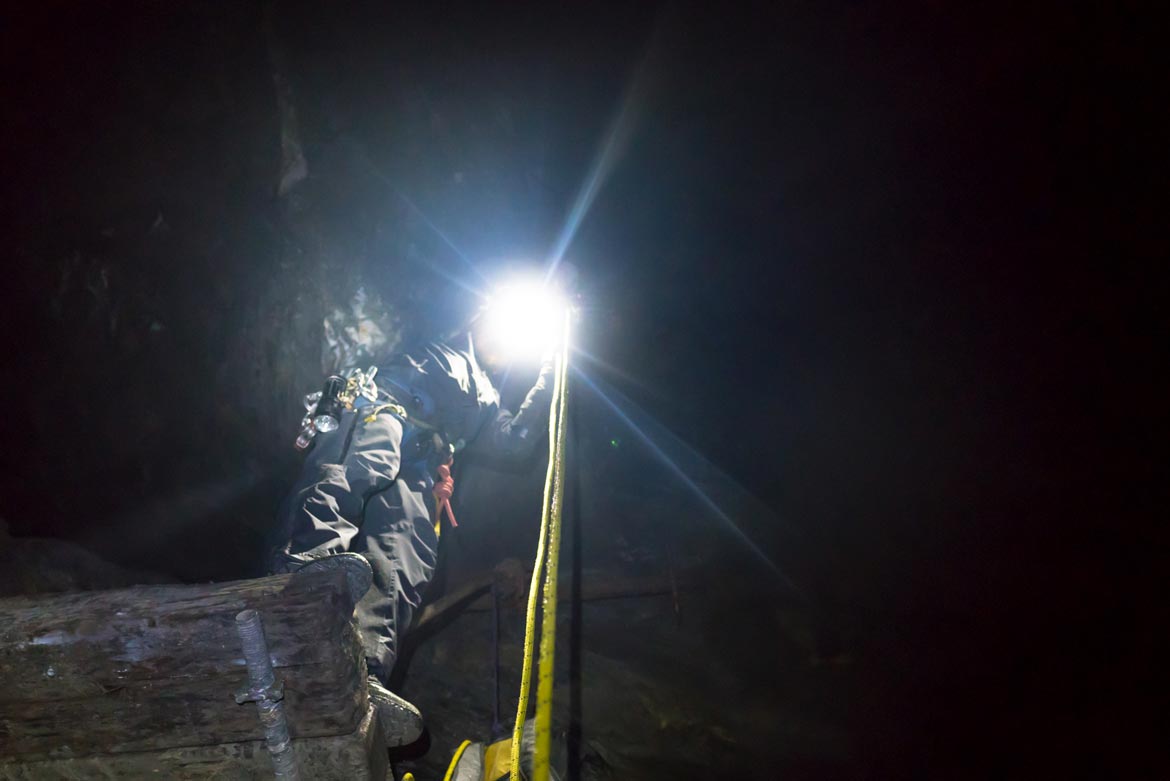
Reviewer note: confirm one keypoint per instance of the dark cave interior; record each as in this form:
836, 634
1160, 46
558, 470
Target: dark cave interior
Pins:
842, 271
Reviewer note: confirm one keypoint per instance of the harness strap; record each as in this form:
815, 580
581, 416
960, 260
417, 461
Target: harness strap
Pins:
397, 409
444, 483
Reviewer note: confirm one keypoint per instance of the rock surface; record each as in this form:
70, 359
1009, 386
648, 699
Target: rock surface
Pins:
30, 566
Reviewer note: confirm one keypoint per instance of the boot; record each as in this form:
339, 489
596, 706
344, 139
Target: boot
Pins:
402, 724
359, 576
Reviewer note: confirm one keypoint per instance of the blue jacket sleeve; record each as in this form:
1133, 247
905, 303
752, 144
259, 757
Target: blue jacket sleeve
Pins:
514, 436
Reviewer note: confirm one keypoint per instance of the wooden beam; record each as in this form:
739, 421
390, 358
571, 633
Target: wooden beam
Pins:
153, 668
359, 756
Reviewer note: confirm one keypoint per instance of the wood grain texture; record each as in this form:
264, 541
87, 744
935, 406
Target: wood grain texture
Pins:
358, 756
157, 667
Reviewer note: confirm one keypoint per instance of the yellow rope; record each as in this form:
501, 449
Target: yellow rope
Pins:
548, 625
550, 517
455, 760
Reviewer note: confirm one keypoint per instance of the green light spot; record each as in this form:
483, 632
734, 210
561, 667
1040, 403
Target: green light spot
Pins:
615, 442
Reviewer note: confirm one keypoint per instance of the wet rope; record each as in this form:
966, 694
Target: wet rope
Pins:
548, 626
547, 555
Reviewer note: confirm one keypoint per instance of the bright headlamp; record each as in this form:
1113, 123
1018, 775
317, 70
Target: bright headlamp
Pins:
524, 318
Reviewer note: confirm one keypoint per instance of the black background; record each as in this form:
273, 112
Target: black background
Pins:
882, 264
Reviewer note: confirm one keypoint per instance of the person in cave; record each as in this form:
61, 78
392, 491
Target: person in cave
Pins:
367, 490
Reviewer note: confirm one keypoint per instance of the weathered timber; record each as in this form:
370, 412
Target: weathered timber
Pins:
153, 668
358, 756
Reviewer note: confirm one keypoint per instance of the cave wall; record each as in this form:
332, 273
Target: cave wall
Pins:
168, 299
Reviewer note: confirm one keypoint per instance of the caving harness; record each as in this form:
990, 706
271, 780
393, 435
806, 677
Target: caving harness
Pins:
356, 390
323, 408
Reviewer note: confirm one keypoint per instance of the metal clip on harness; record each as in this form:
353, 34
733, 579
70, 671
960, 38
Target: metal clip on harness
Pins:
323, 408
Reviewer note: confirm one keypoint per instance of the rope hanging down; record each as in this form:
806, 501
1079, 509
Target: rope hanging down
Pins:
547, 556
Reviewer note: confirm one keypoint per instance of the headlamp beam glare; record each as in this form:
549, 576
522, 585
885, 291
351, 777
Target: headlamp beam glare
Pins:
525, 318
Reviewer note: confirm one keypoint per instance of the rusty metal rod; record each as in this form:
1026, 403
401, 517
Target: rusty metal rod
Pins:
267, 694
